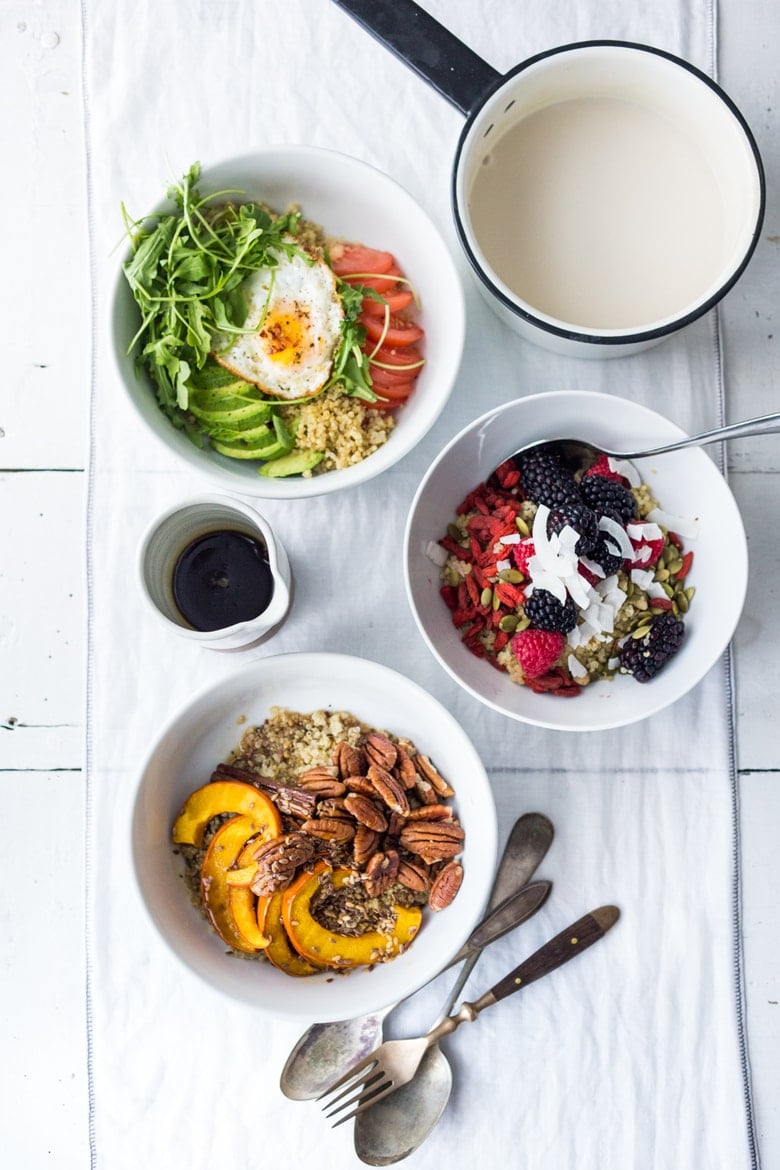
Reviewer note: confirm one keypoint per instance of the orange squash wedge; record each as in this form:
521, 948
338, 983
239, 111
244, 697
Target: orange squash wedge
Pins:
318, 945
222, 854
242, 903
280, 950
223, 796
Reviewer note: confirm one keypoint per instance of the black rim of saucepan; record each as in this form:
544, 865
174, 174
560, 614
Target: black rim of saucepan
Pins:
574, 334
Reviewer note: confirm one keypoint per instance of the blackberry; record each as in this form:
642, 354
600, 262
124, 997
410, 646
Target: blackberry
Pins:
603, 555
644, 657
607, 495
545, 480
547, 613
579, 517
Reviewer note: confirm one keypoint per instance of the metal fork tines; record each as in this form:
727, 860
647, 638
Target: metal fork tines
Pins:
393, 1064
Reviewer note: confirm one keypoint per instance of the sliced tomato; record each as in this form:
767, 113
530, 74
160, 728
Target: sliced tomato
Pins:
391, 355
380, 284
395, 392
349, 259
395, 299
381, 377
399, 332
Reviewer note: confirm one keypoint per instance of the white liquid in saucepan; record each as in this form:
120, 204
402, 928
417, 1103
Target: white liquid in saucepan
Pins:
600, 213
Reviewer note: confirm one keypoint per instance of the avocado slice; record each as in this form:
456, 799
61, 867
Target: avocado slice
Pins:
294, 463
258, 450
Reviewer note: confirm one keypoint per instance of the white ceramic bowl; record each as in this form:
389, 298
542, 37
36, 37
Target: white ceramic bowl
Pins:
351, 199
685, 483
205, 731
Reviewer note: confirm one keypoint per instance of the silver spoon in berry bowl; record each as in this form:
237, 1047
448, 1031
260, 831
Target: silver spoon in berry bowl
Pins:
578, 454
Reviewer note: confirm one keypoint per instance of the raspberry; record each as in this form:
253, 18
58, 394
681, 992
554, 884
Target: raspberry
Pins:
537, 650
601, 467
644, 657
547, 613
522, 553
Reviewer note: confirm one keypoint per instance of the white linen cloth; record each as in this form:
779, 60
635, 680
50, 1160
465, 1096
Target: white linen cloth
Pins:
633, 1056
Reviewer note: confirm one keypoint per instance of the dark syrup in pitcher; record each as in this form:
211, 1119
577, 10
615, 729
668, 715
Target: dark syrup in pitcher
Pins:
222, 578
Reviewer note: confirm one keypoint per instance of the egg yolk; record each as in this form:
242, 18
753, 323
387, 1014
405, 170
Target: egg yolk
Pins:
284, 333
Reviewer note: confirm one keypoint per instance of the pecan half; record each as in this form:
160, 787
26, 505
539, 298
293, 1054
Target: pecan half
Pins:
445, 886
433, 840
391, 790
404, 767
360, 784
350, 760
430, 772
431, 812
426, 793
323, 781
414, 875
365, 844
380, 750
331, 829
381, 872
277, 861
365, 810
332, 806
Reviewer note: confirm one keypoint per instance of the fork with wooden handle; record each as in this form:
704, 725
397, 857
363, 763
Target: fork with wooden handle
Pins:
395, 1062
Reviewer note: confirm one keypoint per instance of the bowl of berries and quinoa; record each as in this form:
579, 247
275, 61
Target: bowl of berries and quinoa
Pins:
580, 602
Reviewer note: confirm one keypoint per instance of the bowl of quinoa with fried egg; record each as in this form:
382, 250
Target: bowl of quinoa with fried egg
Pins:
289, 323
574, 599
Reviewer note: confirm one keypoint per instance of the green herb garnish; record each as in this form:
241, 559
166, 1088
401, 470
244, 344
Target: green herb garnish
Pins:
186, 274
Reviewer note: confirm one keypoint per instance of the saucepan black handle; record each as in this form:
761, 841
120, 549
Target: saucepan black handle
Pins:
427, 47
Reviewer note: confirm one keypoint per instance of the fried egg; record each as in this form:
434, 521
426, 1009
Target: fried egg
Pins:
293, 329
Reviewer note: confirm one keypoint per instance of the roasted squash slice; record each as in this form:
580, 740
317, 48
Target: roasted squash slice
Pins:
280, 950
319, 945
224, 850
242, 903
223, 796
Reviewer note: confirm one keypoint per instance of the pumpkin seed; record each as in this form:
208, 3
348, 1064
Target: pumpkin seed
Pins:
662, 575
521, 526
675, 564
522, 623
496, 601
509, 623
689, 592
455, 532
667, 588
681, 601
513, 576
641, 631
486, 596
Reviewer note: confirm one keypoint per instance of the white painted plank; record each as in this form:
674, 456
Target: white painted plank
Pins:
43, 1121
43, 401
41, 614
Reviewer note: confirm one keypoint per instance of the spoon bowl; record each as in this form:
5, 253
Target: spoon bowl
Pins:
578, 454
397, 1125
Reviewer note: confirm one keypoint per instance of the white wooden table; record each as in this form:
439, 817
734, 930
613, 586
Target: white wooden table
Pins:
43, 446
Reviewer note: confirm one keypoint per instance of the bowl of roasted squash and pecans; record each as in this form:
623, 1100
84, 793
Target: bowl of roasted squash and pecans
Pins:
314, 836
576, 599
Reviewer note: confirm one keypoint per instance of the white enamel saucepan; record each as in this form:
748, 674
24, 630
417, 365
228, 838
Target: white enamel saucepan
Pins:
605, 193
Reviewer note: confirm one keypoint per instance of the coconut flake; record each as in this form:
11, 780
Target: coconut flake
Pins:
616, 535
513, 538
613, 663
434, 552
625, 468
503, 565
682, 525
640, 530
592, 567
641, 577
576, 669
541, 579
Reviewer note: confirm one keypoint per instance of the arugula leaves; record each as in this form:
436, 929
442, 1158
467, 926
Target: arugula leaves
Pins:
186, 274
